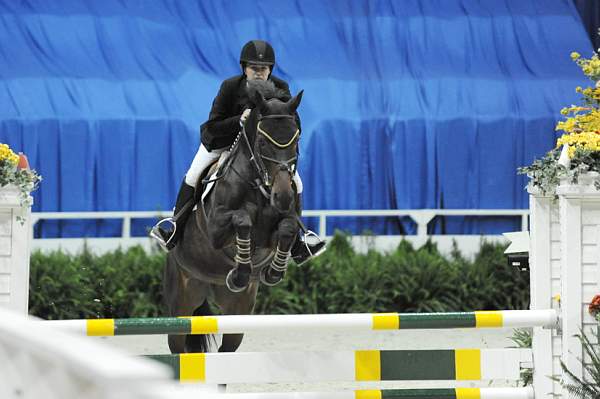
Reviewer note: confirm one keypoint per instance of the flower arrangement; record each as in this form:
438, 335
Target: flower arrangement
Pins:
14, 169
588, 388
577, 151
594, 308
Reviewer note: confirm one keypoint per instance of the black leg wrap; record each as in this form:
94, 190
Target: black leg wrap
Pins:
238, 278
274, 273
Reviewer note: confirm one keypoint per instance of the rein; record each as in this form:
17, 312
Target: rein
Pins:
227, 165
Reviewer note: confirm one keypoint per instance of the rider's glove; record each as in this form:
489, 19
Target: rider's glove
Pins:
244, 116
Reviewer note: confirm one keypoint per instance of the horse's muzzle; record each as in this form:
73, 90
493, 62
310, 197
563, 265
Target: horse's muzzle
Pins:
282, 201
282, 194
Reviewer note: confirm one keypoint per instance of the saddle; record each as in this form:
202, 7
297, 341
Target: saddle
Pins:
210, 175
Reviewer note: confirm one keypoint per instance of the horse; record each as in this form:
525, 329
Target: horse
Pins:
242, 232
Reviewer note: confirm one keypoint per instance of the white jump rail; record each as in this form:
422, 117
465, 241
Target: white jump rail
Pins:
458, 393
349, 366
239, 324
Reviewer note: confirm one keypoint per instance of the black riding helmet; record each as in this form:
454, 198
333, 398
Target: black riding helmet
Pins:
257, 52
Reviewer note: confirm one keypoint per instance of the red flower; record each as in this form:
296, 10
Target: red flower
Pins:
23, 162
594, 307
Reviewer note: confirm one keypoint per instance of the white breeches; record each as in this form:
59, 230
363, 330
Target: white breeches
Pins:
204, 158
201, 161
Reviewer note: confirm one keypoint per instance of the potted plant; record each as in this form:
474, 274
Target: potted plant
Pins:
16, 176
576, 157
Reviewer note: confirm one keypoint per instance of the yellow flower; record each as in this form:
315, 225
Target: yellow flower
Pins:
567, 125
7, 154
575, 55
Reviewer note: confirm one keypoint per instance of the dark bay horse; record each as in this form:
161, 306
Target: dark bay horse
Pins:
243, 231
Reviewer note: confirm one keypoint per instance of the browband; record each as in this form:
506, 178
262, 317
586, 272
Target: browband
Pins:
272, 140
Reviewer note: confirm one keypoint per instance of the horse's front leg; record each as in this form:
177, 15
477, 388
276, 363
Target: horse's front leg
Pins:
238, 278
274, 273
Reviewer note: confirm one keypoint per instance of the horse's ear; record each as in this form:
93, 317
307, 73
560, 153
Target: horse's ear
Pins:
259, 100
295, 102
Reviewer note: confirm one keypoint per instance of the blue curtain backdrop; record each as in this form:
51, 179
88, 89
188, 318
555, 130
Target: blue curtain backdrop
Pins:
408, 104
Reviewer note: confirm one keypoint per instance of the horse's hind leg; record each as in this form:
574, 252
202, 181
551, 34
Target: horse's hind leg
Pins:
234, 303
184, 297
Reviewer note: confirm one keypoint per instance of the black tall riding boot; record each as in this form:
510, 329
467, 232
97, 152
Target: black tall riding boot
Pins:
185, 194
303, 251
170, 236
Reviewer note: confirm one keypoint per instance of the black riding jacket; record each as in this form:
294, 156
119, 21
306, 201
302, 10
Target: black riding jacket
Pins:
223, 124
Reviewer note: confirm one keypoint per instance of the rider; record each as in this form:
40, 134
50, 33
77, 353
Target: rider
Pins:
228, 113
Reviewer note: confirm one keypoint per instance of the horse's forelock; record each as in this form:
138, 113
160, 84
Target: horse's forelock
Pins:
266, 88
275, 104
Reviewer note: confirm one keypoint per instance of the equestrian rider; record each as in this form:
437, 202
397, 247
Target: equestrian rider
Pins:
228, 113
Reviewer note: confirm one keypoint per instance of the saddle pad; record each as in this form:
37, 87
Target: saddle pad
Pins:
210, 185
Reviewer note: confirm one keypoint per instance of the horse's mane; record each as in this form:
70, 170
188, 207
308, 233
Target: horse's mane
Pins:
266, 88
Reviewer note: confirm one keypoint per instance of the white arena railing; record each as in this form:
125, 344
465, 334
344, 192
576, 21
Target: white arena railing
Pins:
421, 217
469, 244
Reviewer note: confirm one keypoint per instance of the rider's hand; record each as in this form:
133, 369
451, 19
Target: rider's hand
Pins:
244, 116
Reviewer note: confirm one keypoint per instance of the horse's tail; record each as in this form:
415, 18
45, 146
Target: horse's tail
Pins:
201, 342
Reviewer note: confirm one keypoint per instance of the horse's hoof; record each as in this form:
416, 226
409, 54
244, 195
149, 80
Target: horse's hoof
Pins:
230, 282
268, 279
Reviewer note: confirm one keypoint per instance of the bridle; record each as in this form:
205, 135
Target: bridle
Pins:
265, 181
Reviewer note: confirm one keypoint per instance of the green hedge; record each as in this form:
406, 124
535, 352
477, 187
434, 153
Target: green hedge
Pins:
116, 284
128, 283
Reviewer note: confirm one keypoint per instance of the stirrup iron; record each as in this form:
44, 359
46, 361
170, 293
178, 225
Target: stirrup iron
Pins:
155, 233
310, 233
307, 247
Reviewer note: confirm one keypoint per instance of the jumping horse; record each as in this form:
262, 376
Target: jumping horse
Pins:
241, 233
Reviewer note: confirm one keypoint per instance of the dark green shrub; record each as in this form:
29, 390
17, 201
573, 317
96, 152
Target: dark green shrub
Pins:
116, 284
128, 283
